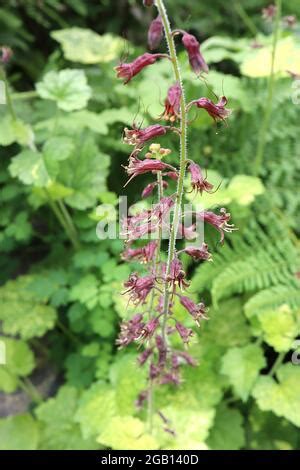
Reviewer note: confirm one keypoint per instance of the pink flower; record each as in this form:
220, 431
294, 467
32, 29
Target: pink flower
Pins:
162, 351
154, 371
130, 330
155, 33
150, 328
196, 59
145, 254
6, 54
199, 183
269, 12
142, 397
220, 222
172, 103
187, 232
170, 378
172, 174
144, 356
201, 253
139, 287
198, 311
187, 358
217, 111
129, 70
184, 333
163, 207
140, 136
139, 167
148, 190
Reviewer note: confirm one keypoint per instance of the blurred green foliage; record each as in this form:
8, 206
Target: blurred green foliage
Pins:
61, 156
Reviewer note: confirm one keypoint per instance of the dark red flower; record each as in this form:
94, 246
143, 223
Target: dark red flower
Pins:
129, 70
150, 328
148, 190
148, 3
187, 358
154, 371
144, 356
185, 333
196, 59
170, 378
155, 33
172, 174
130, 330
217, 111
139, 167
142, 397
145, 254
172, 103
198, 311
140, 136
201, 253
162, 351
139, 287
199, 183
220, 222
176, 275
6, 54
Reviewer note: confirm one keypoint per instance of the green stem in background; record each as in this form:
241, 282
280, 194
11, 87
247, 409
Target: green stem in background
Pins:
69, 221
277, 363
61, 218
247, 20
68, 333
24, 95
262, 138
7, 94
183, 156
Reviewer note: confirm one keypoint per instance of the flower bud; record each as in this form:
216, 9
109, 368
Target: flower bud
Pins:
155, 33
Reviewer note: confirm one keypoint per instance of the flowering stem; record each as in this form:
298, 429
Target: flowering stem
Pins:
183, 155
268, 108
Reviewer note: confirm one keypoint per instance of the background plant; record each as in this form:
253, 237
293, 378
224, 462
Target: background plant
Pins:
61, 304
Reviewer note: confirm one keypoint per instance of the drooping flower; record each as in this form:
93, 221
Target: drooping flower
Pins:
187, 358
172, 174
170, 378
150, 328
220, 222
163, 207
196, 59
144, 254
217, 111
130, 330
139, 167
176, 275
129, 70
162, 350
198, 182
148, 190
201, 253
184, 333
269, 12
144, 356
154, 371
138, 137
172, 103
142, 397
198, 311
155, 33
139, 287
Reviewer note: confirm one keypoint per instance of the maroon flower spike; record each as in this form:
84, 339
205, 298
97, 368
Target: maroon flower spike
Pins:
162, 351
170, 378
185, 333
130, 330
145, 254
139, 287
176, 275
130, 70
220, 222
140, 136
150, 328
199, 183
196, 59
144, 356
217, 111
155, 33
201, 253
142, 397
154, 371
139, 167
172, 103
198, 311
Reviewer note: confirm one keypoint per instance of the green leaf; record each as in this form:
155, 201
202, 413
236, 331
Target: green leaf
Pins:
279, 328
97, 406
84, 172
59, 430
55, 150
267, 432
22, 312
86, 291
281, 397
19, 432
242, 366
68, 88
87, 47
15, 130
19, 362
29, 167
127, 433
227, 432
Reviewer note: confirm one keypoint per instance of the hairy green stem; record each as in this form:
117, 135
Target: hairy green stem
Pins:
183, 156
262, 139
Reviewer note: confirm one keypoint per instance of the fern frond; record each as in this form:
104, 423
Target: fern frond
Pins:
273, 298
